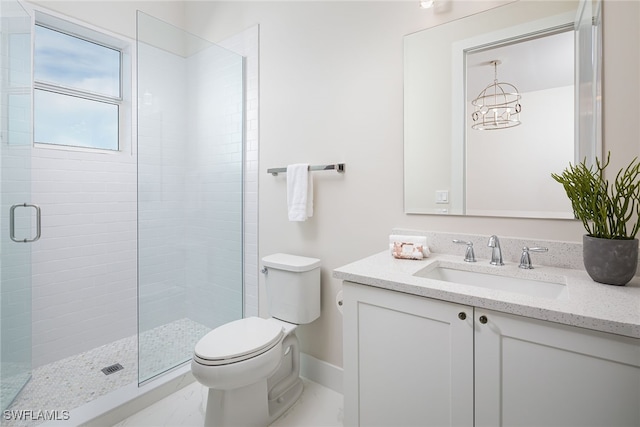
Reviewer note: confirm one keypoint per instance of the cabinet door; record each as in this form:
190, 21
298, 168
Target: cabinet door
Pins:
536, 373
408, 360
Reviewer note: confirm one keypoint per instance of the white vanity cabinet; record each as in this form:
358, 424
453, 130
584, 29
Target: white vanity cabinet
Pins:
532, 372
408, 361
416, 361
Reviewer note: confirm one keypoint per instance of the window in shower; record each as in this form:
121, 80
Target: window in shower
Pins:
77, 88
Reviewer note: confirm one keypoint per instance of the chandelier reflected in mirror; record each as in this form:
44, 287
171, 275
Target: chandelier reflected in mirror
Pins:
497, 106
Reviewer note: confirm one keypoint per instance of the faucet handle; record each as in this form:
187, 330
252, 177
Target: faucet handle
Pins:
525, 258
469, 255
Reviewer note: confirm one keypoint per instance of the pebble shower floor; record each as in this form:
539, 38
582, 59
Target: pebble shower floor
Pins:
70, 383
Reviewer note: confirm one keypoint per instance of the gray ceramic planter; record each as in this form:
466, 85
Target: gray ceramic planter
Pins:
610, 261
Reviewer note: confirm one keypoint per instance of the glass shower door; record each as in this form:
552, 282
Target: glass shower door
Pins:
18, 219
190, 194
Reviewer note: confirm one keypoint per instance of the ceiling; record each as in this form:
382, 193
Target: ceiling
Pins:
540, 63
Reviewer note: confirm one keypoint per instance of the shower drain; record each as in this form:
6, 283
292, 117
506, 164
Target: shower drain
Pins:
111, 369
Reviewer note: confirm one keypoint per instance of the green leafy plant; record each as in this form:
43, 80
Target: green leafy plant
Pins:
606, 210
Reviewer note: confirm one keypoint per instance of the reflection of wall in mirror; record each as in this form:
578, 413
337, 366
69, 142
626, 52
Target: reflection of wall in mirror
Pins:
506, 164
432, 161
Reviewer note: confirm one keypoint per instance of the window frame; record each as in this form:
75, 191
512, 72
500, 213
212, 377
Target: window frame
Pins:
124, 102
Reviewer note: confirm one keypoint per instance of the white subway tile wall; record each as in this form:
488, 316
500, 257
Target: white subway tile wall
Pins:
84, 265
162, 163
213, 212
246, 44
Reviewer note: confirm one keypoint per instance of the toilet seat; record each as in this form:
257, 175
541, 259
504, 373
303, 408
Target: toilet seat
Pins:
237, 341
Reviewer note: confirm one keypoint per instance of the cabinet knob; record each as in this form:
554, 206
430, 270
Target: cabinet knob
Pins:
462, 315
483, 319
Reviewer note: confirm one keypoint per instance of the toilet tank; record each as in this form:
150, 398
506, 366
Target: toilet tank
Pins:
293, 287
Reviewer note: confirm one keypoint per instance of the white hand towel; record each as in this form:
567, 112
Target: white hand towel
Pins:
299, 192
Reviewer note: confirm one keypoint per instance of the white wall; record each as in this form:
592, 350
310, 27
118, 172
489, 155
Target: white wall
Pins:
331, 91
509, 172
115, 15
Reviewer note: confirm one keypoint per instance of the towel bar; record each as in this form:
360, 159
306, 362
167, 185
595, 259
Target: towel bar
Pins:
338, 167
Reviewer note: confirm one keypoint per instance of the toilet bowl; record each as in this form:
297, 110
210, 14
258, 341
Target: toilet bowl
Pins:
239, 362
251, 366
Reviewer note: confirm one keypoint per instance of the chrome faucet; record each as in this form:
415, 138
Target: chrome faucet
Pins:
469, 256
496, 252
525, 258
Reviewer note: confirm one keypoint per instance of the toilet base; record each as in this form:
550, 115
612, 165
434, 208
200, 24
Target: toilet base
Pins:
244, 406
256, 404
279, 405
247, 406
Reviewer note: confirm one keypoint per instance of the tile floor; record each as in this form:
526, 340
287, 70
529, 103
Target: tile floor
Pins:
76, 380
318, 406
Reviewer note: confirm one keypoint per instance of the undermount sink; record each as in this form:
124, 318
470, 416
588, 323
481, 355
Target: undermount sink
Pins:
520, 285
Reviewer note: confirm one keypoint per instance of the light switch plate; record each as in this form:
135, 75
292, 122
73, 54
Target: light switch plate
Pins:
442, 196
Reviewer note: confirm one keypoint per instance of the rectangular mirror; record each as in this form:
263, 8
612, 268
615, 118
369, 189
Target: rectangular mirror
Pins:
539, 63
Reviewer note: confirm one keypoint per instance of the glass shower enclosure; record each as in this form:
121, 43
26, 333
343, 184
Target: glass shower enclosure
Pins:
189, 121
190, 184
17, 219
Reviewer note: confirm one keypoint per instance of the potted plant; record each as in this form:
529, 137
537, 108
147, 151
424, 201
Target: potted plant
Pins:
610, 213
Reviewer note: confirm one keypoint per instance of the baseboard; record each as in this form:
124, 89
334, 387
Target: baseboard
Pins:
321, 372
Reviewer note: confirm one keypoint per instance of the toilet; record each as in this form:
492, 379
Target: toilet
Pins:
251, 366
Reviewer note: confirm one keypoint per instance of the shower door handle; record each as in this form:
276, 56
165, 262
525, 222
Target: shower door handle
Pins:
12, 223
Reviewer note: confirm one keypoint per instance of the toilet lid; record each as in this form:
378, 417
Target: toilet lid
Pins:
238, 340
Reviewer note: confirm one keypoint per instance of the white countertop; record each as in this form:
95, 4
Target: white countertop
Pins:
591, 305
